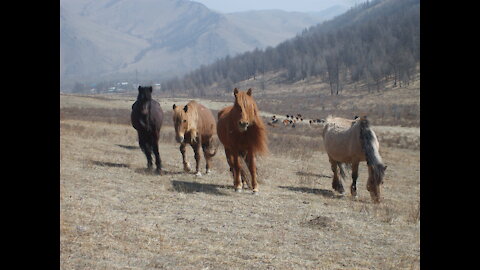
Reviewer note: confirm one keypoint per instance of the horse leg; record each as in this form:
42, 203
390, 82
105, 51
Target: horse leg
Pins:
253, 170
353, 188
205, 148
196, 150
158, 160
336, 183
229, 157
244, 177
373, 188
186, 165
236, 172
144, 145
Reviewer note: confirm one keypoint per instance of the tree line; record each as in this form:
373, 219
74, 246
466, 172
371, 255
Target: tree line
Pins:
371, 43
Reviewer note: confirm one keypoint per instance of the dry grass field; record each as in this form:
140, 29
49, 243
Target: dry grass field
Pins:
115, 215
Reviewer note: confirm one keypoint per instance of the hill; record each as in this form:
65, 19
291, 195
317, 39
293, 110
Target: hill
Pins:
103, 39
373, 43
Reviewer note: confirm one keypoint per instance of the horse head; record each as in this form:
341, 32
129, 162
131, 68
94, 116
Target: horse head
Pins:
184, 121
144, 93
245, 109
144, 96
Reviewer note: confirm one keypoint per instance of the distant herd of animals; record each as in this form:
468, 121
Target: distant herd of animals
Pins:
292, 121
243, 134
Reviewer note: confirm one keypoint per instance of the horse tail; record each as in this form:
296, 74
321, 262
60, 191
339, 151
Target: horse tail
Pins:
343, 167
214, 142
342, 170
369, 146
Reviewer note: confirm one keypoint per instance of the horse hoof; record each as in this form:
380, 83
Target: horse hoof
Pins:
255, 192
160, 172
208, 172
239, 190
198, 174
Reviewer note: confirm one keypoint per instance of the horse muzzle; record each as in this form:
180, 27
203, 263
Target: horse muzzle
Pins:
242, 126
179, 139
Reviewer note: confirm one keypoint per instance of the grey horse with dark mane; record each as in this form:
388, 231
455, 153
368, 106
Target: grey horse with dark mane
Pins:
350, 142
147, 118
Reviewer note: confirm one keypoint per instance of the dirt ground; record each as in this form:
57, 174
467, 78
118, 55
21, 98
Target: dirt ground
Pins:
115, 215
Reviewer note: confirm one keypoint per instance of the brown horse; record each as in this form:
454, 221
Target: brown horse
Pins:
352, 141
243, 134
147, 118
195, 125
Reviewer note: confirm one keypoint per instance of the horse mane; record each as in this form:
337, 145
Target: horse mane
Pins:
258, 138
368, 140
192, 117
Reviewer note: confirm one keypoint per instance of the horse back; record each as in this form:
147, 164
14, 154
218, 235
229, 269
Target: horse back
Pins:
207, 126
343, 144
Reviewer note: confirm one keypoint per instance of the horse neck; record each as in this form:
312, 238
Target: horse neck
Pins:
144, 104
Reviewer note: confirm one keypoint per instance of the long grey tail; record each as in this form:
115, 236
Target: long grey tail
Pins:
342, 168
367, 138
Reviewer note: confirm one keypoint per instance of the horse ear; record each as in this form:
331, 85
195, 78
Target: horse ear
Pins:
249, 91
174, 106
235, 91
185, 108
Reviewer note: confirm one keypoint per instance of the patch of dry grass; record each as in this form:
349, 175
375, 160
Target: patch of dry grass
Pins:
116, 216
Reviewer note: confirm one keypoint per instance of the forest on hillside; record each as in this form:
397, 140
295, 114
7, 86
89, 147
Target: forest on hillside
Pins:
371, 43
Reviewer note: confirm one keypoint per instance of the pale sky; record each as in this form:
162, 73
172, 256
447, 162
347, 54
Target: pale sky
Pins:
226, 6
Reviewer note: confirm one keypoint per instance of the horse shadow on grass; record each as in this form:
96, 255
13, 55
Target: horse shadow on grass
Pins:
191, 187
323, 192
109, 164
313, 174
146, 171
129, 147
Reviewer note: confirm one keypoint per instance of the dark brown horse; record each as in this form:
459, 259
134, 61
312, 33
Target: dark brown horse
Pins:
195, 124
147, 118
243, 134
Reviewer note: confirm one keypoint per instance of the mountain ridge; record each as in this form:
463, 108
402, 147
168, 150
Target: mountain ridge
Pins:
157, 38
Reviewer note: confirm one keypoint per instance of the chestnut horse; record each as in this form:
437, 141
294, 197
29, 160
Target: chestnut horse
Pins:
147, 118
195, 124
352, 141
243, 134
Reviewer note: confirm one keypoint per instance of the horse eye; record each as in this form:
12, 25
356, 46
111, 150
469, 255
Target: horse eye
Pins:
184, 120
